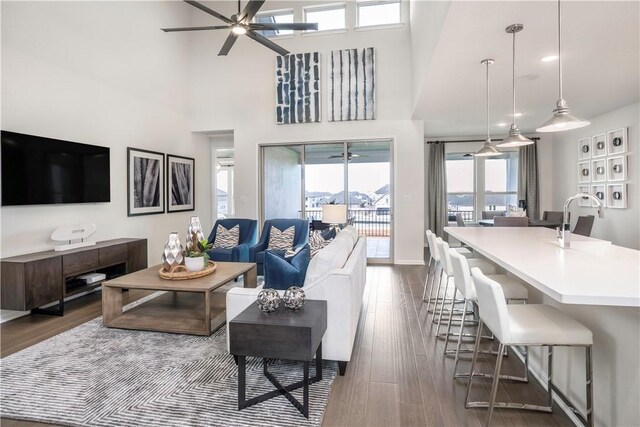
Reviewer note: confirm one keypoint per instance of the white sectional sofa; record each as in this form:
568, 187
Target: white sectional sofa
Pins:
336, 274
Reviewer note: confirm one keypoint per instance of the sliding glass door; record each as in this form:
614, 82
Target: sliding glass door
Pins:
298, 179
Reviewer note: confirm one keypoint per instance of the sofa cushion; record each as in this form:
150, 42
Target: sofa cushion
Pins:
331, 257
281, 239
227, 239
351, 231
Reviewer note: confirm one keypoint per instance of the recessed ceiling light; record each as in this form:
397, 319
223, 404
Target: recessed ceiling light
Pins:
502, 124
518, 114
549, 58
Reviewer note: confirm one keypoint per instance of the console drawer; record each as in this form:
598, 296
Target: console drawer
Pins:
114, 254
80, 262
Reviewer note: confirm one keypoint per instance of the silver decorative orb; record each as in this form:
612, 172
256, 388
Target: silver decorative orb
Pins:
268, 300
293, 298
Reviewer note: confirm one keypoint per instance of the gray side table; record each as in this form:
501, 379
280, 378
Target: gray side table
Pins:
282, 334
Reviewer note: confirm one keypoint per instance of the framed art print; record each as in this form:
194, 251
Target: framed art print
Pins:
145, 178
584, 148
180, 183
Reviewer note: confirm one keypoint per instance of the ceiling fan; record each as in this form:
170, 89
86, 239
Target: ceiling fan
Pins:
350, 156
240, 24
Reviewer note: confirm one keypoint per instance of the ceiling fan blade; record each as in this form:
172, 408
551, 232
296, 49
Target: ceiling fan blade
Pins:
288, 26
266, 42
228, 44
250, 11
209, 11
215, 27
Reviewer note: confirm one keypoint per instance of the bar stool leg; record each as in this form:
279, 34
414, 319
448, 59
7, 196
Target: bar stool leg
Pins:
446, 337
455, 362
434, 298
437, 296
589, 367
476, 347
494, 386
426, 280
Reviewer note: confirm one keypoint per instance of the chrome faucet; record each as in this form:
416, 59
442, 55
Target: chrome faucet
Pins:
564, 232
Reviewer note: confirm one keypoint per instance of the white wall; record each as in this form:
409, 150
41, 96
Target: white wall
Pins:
99, 73
620, 226
238, 92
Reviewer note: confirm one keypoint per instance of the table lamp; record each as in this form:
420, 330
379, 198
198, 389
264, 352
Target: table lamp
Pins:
334, 215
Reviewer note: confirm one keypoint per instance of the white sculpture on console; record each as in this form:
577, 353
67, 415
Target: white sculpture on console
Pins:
69, 233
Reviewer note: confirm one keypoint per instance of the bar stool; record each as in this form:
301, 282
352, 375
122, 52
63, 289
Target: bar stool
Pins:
442, 248
433, 264
513, 291
527, 325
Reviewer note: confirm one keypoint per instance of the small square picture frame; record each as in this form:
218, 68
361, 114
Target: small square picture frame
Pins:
599, 170
145, 182
584, 148
584, 172
617, 195
600, 191
180, 183
599, 145
617, 168
617, 141
584, 201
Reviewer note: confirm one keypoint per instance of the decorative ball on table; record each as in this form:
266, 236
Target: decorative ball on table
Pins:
294, 298
268, 300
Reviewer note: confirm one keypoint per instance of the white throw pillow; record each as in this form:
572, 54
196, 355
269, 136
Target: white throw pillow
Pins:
332, 256
351, 231
227, 239
281, 240
515, 211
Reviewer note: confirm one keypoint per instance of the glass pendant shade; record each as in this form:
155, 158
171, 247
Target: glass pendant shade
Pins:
561, 119
514, 139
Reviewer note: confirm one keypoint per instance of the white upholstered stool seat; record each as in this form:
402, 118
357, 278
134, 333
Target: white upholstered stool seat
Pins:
528, 325
539, 324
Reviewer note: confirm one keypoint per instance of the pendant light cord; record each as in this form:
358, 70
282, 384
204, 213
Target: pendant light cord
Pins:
488, 133
514, 79
559, 55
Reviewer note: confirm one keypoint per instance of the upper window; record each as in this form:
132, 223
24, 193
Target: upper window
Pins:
461, 193
378, 12
501, 181
328, 17
275, 17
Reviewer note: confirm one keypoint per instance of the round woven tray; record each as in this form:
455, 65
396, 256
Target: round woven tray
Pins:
180, 272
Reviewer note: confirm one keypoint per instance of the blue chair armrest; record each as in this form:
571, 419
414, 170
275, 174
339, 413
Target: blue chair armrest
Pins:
241, 253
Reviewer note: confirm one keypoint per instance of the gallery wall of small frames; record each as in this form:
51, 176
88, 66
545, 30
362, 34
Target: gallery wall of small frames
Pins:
602, 168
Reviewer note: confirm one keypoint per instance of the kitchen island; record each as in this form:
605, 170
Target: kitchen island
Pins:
596, 283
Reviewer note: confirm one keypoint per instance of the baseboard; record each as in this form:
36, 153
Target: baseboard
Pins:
6, 315
541, 377
409, 262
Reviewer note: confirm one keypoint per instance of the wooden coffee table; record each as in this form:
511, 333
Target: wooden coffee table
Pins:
188, 306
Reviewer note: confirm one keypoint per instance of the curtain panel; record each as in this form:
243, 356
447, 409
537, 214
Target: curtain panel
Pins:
528, 179
436, 189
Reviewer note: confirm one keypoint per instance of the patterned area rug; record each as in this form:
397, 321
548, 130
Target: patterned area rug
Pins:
96, 376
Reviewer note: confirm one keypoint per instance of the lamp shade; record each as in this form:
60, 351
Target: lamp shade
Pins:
515, 139
487, 150
562, 121
334, 214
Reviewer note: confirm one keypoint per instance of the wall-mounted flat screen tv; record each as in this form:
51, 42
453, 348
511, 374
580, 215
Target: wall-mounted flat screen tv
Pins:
38, 170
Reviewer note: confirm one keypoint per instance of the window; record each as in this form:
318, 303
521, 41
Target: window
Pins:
224, 183
378, 12
330, 17
470, 191
275, 17
501, 181
460, 186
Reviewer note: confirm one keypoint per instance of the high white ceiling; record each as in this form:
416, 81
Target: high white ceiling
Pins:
601, 62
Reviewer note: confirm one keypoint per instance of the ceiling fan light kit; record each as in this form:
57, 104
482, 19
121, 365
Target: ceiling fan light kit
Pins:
562, 119
240, 24
514, 139
488, 149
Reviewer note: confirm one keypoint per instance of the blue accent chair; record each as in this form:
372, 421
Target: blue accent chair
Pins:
300, 238
282, 272
248, 236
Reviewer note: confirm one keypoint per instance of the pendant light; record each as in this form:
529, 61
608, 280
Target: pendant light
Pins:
561, 119
488, 149
515, 139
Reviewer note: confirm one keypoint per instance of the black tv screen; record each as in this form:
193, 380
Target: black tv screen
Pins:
37, 170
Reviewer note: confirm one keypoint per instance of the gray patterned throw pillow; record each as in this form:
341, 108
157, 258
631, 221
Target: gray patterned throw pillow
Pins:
317, 242
227, 239
281, 240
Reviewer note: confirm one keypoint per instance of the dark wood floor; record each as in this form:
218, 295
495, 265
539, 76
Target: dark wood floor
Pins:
397, 376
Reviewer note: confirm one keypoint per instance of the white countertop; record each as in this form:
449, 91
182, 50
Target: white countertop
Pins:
591, 272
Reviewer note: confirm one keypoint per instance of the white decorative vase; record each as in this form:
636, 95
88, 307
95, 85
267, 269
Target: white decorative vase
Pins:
194, 227
172, 253
194, 264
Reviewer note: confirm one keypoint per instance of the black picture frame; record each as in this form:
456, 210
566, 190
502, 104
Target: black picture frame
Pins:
180, 187
145, 182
